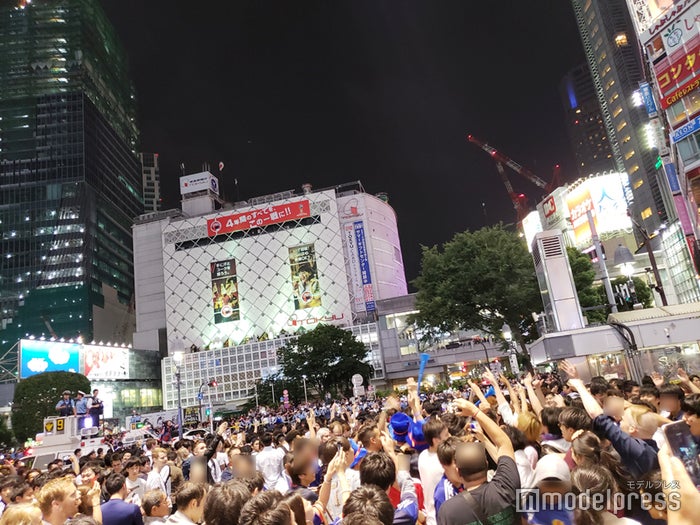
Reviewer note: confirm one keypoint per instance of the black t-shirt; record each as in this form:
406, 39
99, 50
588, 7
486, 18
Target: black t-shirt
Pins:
496, 498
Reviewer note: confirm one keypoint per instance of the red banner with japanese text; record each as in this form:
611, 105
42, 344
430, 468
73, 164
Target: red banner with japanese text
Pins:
677, 80
258, 218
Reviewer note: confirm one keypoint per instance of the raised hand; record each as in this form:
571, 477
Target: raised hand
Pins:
657, 378
569, 369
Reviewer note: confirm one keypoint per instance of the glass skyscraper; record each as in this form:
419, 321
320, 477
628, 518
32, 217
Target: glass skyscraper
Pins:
70, 180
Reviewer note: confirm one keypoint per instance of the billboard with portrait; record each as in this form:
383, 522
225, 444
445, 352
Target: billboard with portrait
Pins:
305, 285
38, 356
224, 289
105, 362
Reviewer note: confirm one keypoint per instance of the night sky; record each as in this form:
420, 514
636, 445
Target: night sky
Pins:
327, 92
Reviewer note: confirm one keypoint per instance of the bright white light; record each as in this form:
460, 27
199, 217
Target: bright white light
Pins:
637, 99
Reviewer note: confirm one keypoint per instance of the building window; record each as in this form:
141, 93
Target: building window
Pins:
637, 183
621, 39
646, 213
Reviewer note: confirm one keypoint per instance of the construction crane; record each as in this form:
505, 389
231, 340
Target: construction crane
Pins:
519, 200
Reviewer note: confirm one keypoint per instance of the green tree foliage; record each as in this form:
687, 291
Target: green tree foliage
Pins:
36, 398
329, 356
588, 295
477, 281
7, 438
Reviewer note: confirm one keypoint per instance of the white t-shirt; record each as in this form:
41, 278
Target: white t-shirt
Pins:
431, 472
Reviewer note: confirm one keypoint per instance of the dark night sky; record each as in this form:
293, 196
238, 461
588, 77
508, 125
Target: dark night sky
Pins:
286, 92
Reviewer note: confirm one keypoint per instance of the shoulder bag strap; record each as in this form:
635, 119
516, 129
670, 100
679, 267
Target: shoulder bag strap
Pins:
475, 506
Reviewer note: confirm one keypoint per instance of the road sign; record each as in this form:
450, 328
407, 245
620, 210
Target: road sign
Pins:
357, 380
60, 423
358, 391
48, 426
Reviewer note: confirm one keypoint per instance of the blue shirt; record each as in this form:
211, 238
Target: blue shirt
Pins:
443, 491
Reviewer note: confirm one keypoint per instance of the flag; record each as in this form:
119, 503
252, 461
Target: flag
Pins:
423, 361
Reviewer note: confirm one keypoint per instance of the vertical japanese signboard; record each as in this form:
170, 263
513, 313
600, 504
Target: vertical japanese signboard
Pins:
305, 285
224, 289
364, 266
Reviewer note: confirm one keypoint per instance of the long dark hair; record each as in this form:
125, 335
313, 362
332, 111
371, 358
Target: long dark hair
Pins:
589, 452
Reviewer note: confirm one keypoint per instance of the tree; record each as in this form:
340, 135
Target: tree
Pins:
36, 398
329, 356
7, 438
588, 296
479, 281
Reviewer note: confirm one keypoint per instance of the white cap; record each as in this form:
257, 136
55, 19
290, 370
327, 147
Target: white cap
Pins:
551, 466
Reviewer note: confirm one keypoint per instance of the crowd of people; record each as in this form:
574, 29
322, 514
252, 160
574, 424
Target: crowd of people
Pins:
529, 451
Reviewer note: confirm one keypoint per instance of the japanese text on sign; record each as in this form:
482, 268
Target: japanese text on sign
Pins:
258, 218
685, 66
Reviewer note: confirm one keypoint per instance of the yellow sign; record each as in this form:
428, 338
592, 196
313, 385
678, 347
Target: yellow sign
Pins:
59, 425
48, 427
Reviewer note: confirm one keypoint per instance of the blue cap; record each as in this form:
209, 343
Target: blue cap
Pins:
416, 438
399, 425
359, 456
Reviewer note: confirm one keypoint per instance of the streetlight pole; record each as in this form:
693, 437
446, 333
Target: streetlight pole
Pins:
512, 353
177, 360
652, 260
200, 397
306, 399
486, 352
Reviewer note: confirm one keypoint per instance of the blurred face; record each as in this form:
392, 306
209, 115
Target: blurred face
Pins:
200, 448
670, 403
614, 407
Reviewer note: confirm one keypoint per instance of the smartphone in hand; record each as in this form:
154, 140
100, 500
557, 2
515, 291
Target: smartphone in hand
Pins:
684, 447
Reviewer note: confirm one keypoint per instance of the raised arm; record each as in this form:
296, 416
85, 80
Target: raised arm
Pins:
500, 398
535, 401
500, 439
589, 402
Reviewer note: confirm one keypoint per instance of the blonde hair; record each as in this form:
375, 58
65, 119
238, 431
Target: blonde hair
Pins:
56, 489
645, 419
21, 514
530, 426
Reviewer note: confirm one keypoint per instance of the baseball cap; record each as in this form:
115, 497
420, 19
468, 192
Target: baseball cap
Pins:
66, 393
551, 467
399, 425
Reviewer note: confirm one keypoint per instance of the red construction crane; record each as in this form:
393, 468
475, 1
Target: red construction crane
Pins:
519, 199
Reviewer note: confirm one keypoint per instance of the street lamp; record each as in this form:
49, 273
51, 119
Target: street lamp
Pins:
625, 261
652, 260
512, 354
178, 357
306, 399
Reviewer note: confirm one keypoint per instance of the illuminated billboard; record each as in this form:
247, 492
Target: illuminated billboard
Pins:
38, 356
649, 15
604, 197
224, 290
105, 362
199, 182
307, 291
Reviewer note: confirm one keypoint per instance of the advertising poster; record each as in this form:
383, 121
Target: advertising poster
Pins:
259, 218
224, 289
106, 363
48, 356
364, 267
307, 292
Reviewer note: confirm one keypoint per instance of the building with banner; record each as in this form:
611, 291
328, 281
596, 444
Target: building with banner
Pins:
669, 34
236, 280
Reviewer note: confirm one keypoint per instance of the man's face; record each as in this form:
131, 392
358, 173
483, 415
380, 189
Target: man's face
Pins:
159, 460
200, 448
651, 399
5, 494
452, 474
161, 510
693, 422
117, 465
69, 506
633, 393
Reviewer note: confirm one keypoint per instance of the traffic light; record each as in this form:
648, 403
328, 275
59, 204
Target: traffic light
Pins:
207, 412
212, 383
